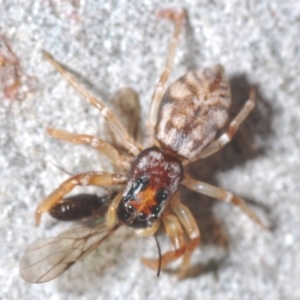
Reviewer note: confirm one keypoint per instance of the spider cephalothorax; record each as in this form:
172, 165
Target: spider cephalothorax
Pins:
154, 178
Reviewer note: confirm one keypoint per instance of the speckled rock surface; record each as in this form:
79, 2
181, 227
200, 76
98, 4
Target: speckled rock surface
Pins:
112, 44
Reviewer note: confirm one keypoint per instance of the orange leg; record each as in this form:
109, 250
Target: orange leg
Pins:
187, 220
83, 179
111, 215
220, 194
144, 232
175, 232
105, 148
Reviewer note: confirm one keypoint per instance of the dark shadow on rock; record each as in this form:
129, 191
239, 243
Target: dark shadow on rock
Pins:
249, 142
212, 265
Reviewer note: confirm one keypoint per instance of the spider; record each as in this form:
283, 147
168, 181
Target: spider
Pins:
183, 126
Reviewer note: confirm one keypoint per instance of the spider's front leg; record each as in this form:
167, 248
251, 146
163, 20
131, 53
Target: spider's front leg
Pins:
189, 223
89, 178
176, 234
174, 229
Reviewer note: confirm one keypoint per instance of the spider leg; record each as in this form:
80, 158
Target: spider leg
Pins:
128, 142
223, 195
178, 18
83, 179
111, 215
102, 146
145, 232
187, 220
176, 234
226, 137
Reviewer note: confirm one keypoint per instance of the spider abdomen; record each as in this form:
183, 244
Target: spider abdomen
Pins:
193, 110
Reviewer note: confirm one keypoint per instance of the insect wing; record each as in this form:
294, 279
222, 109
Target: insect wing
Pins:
46, 259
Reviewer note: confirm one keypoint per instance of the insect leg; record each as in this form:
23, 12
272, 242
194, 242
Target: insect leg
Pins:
223, 195
83, 179
176, 234
226, 137
178, 18
128, 142
126, 106
105, 148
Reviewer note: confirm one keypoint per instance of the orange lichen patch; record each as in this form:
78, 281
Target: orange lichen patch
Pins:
12, 90
9, 70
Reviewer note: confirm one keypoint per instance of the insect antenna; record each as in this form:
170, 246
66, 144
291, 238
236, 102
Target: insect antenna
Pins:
159, 256
61, 168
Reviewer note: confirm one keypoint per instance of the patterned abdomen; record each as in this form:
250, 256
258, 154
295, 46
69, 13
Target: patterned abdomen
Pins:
192, 111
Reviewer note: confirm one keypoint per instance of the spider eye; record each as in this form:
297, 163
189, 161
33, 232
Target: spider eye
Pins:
142, 183
155, 211
130, 209
161, 196
142, 217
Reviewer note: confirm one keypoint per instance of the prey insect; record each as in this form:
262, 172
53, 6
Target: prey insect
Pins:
183, 126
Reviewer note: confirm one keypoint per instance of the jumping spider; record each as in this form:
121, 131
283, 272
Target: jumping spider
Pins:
183, 124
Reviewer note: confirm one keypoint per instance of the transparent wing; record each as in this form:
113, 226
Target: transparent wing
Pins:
46, 259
